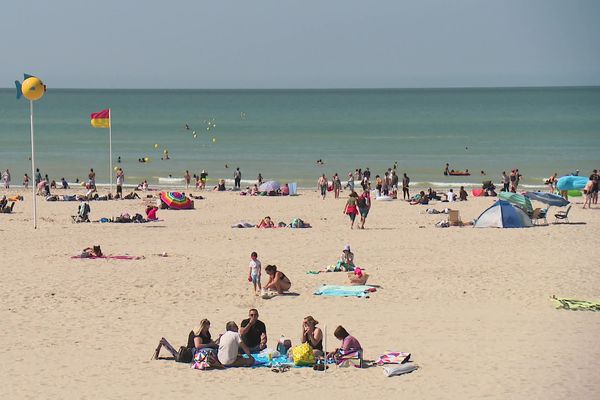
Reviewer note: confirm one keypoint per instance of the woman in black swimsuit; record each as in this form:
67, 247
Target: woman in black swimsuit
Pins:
277, 280
199, 338
312, 335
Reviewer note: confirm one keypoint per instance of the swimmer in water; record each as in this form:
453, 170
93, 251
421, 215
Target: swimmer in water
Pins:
187, 127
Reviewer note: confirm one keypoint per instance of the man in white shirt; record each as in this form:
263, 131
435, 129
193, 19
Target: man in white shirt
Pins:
229, 345
450, 196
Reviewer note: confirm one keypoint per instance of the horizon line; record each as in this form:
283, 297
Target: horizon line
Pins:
328, 88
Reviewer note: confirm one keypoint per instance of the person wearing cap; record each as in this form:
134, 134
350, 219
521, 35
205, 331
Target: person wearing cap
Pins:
346, 261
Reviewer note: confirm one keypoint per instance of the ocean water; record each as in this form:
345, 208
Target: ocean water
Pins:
281, 133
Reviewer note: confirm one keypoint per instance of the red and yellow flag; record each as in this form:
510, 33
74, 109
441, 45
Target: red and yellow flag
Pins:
101, 119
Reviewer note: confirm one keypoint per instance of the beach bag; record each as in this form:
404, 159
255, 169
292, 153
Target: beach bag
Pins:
204, 360
184, 355
303, 355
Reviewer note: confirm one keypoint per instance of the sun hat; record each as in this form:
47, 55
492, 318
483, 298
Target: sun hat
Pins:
347, 247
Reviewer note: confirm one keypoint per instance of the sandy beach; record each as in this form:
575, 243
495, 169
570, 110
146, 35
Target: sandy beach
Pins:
471, 305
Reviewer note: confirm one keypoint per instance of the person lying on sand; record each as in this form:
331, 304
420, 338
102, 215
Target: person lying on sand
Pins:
131, 196
266, 222
277, 280
93, 251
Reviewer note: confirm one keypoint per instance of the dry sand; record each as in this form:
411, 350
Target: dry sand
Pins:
471, 305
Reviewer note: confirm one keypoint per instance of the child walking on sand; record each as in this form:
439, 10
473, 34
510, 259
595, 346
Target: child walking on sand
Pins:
254, 272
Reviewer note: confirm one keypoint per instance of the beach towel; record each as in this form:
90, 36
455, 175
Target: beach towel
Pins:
109, 257
392, 357
345, 291
576, 305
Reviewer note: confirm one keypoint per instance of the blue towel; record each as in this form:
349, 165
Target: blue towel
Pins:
344, 291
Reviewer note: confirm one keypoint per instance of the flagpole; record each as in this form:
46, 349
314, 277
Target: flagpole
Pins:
34, 186
110, 150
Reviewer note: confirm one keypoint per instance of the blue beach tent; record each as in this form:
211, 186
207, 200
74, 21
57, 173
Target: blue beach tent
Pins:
503, 215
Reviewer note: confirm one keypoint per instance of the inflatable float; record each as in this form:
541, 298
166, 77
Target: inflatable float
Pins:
170, 180
459, 173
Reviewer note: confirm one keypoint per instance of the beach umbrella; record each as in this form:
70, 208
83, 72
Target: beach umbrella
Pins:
503, 215
550, 199
176, 201
269, 186
518, 200
571, 182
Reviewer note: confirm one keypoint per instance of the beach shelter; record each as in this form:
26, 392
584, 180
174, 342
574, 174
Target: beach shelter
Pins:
517, 199
550, 199
503, 215
176, 201
269, 186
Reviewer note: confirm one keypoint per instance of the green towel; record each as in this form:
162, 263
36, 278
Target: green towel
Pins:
576, 305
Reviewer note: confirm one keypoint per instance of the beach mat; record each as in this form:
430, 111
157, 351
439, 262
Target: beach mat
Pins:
576, 305
345, 291
108, 257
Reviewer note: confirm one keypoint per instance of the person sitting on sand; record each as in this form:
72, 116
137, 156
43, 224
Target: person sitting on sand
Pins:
3, 202
7, 209
254, 191
358, 277
312, 335
346, 261
151, 213
277, 280
254, 332
220, 186
91, 252
432, 194
200, 339
285, 190
65, 184
229, 344
349, 343
462, 194
421, 198
266, 222
450, 196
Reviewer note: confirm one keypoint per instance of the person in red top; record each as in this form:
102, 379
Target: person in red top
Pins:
151, 213
364, 205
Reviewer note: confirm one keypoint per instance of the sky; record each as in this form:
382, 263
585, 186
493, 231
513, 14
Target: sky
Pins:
230, 44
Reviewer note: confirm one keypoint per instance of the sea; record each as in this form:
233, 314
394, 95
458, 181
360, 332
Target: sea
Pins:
282, 133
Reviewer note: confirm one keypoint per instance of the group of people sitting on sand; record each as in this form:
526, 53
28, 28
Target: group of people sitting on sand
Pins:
267, 222
450, 196
238, 346
255, 191
4, 207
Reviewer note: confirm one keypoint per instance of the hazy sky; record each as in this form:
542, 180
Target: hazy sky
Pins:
300, 44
